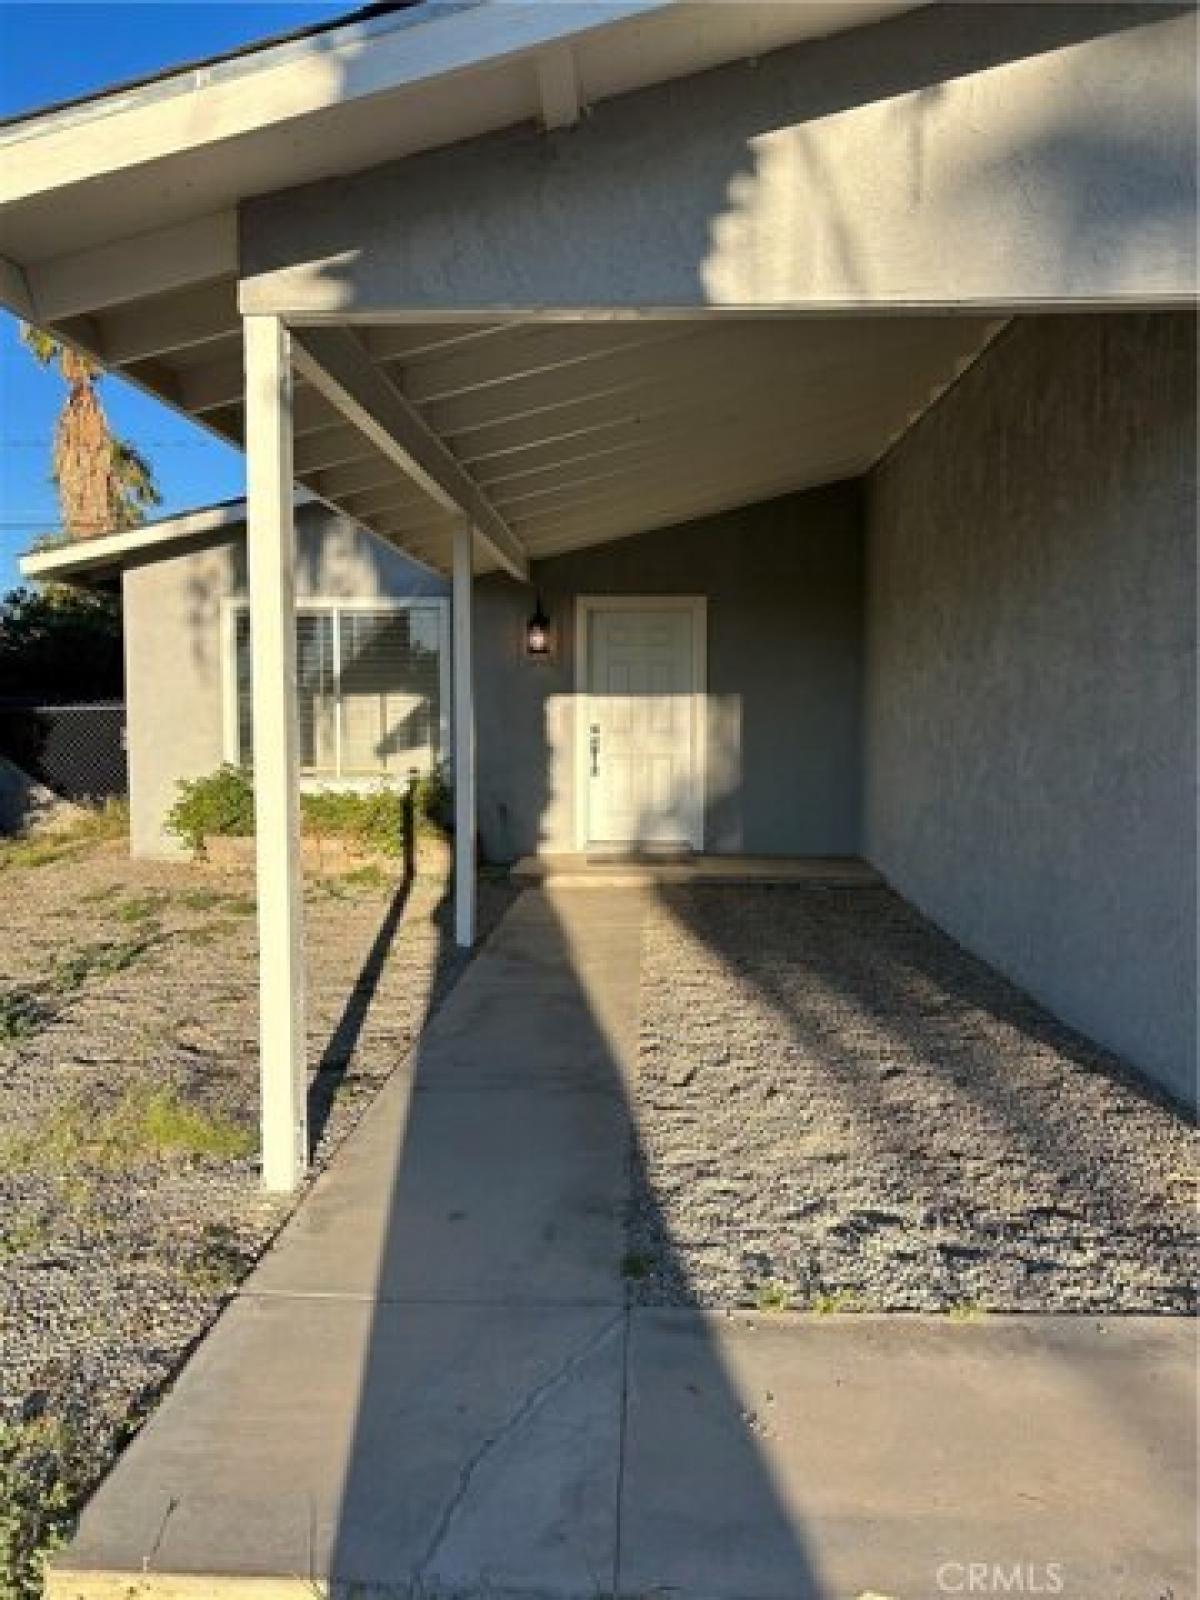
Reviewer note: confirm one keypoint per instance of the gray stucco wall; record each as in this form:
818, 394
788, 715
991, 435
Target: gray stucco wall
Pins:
1030, 702
174, 666
1002, 154
783, 581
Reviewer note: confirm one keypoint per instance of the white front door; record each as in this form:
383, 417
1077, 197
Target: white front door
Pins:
640, 725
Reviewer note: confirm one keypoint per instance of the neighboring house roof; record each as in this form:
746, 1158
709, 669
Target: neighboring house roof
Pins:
98, 560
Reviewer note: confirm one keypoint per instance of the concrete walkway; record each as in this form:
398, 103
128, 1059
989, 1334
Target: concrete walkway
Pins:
432, 1385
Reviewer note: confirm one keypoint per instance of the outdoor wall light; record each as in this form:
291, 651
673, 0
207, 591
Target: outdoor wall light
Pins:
537, 633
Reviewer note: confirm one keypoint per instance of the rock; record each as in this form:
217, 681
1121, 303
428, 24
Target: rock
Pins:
27, 806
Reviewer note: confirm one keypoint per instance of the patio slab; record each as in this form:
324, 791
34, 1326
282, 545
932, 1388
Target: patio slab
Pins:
495, 1170
552, 1004
376, 1443
780, 1457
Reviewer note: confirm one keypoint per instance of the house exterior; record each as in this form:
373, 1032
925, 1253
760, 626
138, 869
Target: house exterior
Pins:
373, 657
829, 386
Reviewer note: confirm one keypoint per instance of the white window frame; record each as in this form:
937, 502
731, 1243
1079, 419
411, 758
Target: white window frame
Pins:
232, 604
586, 607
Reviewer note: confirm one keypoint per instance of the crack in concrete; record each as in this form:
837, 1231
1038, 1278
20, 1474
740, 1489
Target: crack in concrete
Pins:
528, 1408
171, 1507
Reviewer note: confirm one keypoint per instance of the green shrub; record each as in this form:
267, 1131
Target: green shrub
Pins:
22, 1014
372, 822
433, 800
219, 805
41, 1480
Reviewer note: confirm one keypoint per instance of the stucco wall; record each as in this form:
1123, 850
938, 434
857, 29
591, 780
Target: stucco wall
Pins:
784, 586
1003, 154
174, 667
1031, 673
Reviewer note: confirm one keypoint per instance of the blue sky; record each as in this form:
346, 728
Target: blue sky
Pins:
51, 52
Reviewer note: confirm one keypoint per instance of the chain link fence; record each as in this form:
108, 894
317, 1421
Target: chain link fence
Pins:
77, 750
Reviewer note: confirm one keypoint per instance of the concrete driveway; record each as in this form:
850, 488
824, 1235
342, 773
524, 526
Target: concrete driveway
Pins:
436, 1383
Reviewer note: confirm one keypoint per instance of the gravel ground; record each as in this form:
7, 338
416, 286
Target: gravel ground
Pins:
840, 1108
120, 983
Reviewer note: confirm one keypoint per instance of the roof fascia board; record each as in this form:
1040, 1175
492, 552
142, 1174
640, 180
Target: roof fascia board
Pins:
183, 75
144, 127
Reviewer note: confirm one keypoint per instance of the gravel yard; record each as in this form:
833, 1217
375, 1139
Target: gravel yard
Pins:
839, 1108
129, 1199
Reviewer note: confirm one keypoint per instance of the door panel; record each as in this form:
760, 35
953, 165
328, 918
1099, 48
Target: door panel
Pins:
642, 766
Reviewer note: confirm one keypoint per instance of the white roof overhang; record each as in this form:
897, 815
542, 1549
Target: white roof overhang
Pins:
193, 144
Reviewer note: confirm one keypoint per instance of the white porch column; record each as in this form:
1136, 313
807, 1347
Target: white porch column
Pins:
271, 540
464, 741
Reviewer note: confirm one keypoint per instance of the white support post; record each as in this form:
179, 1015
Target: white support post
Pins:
464, 741
272, 558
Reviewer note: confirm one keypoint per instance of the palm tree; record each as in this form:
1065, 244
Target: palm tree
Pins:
134, 489
104, 483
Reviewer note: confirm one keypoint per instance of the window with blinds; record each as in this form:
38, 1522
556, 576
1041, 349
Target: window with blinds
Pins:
368, 690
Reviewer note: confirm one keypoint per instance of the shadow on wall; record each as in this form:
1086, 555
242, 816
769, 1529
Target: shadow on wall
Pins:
1066, 161
389, 670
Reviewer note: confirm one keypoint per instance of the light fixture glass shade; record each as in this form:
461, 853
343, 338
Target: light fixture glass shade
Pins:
537, 632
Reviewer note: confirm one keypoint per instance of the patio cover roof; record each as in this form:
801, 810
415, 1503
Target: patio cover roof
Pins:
118, 231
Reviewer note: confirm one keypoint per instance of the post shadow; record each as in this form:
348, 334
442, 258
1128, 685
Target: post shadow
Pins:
327, 1081
330, 1075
